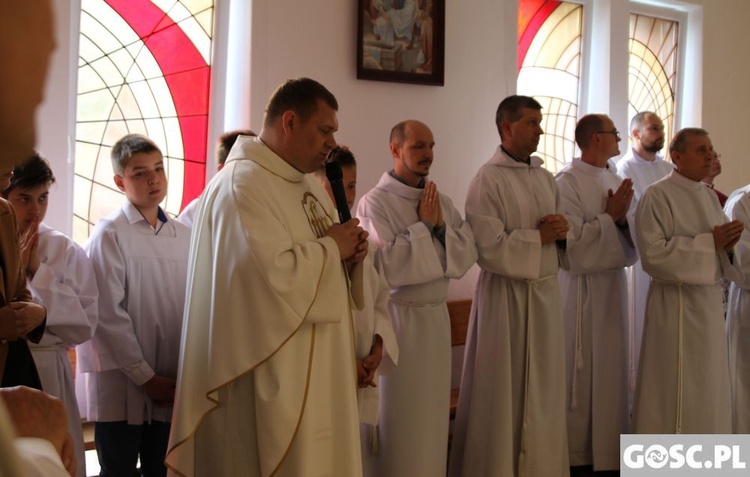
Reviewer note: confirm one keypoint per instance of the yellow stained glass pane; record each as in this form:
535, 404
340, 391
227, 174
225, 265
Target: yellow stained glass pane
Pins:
80, 230
110, 20
113, 132
145, 97
87, 50
196, 6
123, 61
81, 196
128, 104
103, 172
107, 71
86, 155
163, 97
173, 133
176, 170
164, 5
198, 36
99, 34
95, 106
103, 202
136, 126
155, 130
178, 12
147, 64
89, 80
206, 21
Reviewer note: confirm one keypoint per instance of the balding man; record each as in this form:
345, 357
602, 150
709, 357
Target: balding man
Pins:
424, 242
686, 245
595, 295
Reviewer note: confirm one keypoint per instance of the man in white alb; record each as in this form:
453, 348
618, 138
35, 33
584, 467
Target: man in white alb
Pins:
423, 243
686, 245
595, 295
643, 165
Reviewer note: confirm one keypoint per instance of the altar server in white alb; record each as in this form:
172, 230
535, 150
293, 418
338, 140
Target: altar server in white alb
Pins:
375, 341
60, 277
268, 384
511, 411
686, 245
423, 242
129, 368
643, 164
594, 294
738, 316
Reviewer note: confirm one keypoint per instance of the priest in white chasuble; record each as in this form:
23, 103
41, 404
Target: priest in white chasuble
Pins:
594, 294
267, 382
511, 410
686, 245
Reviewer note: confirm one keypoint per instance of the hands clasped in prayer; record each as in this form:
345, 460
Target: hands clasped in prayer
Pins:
619, 201
351, 240
727, 235
429, 207
553, 227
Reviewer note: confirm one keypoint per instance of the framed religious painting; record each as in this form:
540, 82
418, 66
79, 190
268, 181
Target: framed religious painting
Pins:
401, 41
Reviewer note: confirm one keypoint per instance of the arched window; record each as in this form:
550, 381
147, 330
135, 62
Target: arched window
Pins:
549, 64
653, 68
144, 67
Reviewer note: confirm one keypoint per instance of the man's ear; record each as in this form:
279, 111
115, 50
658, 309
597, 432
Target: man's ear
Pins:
394, 149
119, 182
288, 120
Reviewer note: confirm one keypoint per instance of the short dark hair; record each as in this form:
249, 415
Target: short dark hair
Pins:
398, 133
588, 125
679, 141
226, 141
637, 121
343, 156
511, 109
300, 95
33, 172
128, 146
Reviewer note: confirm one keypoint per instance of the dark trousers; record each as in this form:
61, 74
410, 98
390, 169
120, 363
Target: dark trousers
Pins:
119, 445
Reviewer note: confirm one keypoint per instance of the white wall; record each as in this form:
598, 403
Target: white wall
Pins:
291, 38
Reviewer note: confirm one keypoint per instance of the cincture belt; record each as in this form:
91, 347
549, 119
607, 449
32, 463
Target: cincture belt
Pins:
578, 359
527, 361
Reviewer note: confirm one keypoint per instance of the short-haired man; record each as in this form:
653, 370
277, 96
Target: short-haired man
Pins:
511, 411
643, 165
595, 295
224, 145
423, 242
267, 382
686, 245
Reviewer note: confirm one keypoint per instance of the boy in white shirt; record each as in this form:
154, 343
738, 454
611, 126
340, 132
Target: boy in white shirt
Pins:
60, 277
140, 260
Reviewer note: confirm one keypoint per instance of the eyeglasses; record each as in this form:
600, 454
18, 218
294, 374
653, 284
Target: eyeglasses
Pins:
615, 132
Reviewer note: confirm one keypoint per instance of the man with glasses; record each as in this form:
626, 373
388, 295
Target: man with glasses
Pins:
709, 180
686, 245
596, 202
644, 165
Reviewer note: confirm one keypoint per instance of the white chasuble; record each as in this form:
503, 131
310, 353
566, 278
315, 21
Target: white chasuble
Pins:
595, 308
683, 380
267, 382
511, 411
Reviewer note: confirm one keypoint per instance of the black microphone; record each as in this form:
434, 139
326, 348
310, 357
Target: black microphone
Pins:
336, 179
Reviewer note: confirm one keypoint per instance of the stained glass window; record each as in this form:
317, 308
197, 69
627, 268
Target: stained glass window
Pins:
653, 68
549, 64
144, 67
